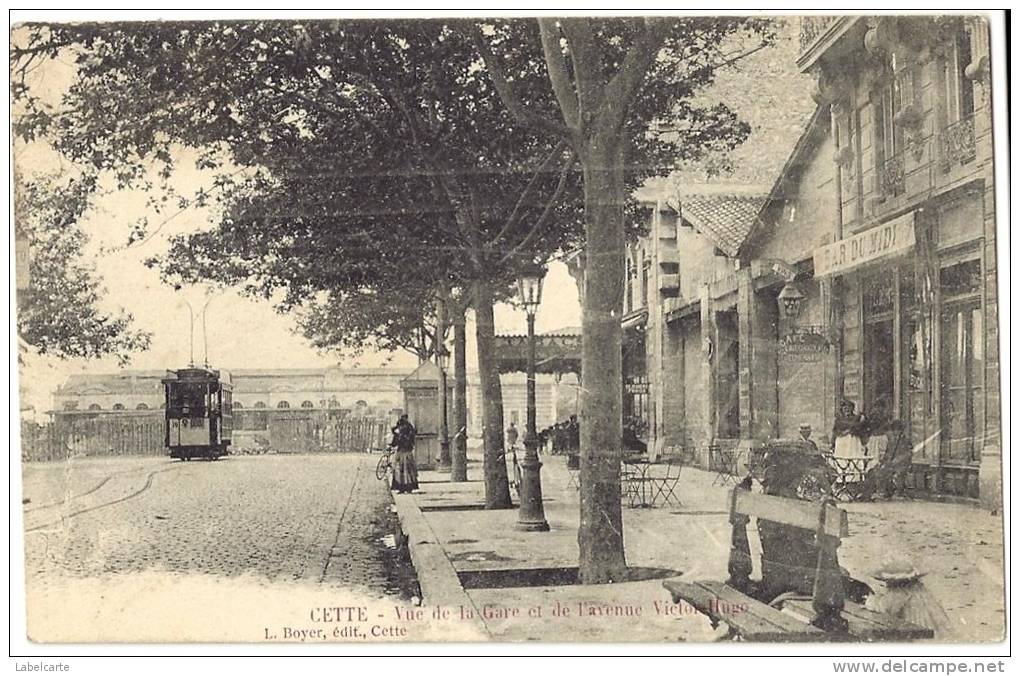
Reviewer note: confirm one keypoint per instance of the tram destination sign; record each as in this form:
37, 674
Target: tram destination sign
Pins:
890, 238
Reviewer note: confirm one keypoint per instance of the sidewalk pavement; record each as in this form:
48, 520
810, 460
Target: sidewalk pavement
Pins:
456, 545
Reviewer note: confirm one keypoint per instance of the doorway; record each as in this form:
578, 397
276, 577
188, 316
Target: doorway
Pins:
728, 375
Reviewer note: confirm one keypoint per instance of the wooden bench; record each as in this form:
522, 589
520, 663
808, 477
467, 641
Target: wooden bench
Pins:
826, 616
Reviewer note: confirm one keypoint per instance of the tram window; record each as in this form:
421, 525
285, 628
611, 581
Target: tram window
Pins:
191, 396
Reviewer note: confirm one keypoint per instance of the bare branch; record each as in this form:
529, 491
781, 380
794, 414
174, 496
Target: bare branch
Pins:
523, 114
634, 68
556, 64
588, 62
540, 223
543, 169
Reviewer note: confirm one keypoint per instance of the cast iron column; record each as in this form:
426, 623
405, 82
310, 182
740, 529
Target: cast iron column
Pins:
532, 514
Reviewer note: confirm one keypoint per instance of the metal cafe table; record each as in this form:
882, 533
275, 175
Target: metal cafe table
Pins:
849, 473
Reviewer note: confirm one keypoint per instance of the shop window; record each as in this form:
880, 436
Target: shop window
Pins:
879, 296
916, 297
879, 302
962, 361
960, 279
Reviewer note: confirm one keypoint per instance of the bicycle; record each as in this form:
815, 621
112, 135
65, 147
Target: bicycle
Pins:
384, 466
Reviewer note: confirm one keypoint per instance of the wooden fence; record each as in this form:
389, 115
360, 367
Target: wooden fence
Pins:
69, 437
133, 433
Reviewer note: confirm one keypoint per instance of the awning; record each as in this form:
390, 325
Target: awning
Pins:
635, 319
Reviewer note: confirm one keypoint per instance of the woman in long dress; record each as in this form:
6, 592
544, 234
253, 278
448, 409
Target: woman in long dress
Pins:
405, 471
849, 436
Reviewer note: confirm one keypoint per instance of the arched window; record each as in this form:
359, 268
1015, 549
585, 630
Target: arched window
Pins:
238, 405
361, 403
260, 404
118, 407
283, 404
307, 404
95, 407
70, 405
142, 407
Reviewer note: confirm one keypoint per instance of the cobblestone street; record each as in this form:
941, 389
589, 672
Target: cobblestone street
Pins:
315, 519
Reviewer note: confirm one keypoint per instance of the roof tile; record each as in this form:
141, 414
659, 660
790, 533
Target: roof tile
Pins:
725, 219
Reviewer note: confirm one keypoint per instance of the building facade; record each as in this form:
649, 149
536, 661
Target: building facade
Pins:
366, 392
866, 273
912, 266
361, 391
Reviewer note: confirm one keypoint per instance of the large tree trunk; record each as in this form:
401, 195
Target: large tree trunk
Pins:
600, 536
444, 423
497, 487
458, 472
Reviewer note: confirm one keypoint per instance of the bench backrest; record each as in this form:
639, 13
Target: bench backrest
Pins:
828, 522
813, 516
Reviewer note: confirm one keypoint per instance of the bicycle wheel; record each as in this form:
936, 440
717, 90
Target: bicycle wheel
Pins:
381, 467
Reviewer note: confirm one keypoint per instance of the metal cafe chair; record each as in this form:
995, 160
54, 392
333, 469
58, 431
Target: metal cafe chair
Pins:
664, 486
724, 462
573, 472
632, 484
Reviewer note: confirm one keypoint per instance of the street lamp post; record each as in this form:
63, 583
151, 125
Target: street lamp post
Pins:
531, 516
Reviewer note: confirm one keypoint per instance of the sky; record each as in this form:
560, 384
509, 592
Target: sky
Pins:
241, 332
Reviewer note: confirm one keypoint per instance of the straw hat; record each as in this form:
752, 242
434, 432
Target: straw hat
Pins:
897, 570
905, 597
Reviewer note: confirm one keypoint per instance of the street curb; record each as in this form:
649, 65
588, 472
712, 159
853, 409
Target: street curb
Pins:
440, 585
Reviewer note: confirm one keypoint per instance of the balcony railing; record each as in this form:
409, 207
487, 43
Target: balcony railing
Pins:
892, 176
811, 27
956, 144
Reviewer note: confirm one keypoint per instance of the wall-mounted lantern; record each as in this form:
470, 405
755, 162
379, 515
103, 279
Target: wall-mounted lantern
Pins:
791, 298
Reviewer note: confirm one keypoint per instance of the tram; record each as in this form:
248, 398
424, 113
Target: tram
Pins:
199, 413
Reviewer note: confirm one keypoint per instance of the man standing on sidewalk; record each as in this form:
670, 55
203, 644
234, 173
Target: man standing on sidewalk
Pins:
511, 435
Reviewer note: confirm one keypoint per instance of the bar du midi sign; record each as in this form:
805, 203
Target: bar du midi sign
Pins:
890, 238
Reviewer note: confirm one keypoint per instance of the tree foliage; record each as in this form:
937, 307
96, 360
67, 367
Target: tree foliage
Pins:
382, 155
61, 313
621, 93
390, 157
